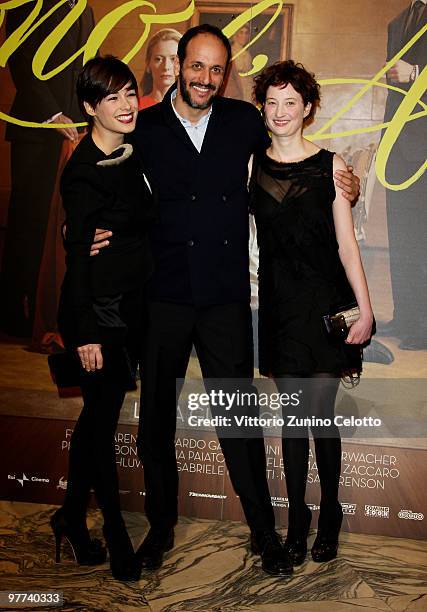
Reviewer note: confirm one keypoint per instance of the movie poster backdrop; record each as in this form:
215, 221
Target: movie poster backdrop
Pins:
370, 59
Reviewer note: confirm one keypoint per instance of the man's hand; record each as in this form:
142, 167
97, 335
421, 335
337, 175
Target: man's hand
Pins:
349, 182
71, 132
400, 72
100, 241
90, 357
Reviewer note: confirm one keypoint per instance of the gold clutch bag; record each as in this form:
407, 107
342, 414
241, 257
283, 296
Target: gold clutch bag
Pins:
340, 322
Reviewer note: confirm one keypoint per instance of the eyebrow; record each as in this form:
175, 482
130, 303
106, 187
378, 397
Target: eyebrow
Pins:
196, 61
272, 98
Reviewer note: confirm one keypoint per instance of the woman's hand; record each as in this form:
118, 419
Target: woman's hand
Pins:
91, 357
361, 331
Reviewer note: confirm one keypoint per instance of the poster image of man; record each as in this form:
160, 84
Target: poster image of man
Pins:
406, 208
33, 180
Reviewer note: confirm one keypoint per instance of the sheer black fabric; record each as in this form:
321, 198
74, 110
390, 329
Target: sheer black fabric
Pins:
301, 277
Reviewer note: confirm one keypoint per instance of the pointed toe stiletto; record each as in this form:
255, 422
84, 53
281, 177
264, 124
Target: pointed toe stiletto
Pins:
156, 543
85, 550
123, 562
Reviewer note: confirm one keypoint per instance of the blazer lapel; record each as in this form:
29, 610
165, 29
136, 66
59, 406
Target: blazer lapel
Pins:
56, 18
423, 18
212, 137
403, 24
86, 25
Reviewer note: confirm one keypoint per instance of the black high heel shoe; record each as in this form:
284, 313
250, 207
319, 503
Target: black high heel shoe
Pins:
296, 540
85, 550
123, 562
325, 546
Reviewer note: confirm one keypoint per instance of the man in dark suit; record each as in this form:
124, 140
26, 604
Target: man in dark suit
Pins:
406, 209
34, 156
195, 147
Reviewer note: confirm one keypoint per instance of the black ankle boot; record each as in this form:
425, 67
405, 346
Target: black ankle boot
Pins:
296, 538
85, 550
325, 546
122, 557
275, 559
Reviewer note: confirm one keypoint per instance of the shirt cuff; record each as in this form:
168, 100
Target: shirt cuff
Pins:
53, 118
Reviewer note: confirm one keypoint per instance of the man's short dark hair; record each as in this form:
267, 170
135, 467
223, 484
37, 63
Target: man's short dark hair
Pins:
100, 77
204, 28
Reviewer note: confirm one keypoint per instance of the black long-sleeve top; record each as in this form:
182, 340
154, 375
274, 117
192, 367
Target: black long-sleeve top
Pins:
110, 192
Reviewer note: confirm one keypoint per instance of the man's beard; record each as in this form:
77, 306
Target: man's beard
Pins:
186, 96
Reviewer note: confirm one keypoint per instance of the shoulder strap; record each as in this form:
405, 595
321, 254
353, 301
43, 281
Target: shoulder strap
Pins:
327, 161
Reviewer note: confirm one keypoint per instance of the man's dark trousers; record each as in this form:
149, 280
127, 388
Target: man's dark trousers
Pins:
222, 337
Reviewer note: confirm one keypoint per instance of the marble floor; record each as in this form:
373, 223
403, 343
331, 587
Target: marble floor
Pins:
211, 569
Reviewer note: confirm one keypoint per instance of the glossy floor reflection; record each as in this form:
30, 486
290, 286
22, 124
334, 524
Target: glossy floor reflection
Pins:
211, 569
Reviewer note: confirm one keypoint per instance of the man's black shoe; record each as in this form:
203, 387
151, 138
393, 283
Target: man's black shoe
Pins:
150, 554
388, 328
413, 344
275, 560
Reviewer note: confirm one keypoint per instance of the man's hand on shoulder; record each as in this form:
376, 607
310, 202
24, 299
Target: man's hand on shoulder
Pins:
349, 183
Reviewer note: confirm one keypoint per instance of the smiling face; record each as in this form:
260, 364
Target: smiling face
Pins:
203, 70
284, 110
163, 64
117, 112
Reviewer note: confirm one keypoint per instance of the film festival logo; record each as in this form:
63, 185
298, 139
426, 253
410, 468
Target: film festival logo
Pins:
62, 483
206, 495
24, 478
349, 508
377, 511
411, 516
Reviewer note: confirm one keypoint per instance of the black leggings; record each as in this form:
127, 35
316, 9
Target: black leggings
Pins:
92, 461
318, 401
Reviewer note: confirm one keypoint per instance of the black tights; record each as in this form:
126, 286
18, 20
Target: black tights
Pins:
92, 461
318, 399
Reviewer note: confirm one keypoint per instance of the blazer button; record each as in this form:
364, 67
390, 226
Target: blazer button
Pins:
225, 242
190, 243
192, 197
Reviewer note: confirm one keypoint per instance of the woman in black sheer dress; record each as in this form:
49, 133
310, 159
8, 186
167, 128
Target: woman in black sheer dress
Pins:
309, 266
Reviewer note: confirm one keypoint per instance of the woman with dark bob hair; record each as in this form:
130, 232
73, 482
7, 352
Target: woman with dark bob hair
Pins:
309, 267
100, 310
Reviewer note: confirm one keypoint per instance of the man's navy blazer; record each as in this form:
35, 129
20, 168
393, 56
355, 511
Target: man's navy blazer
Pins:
200, 242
